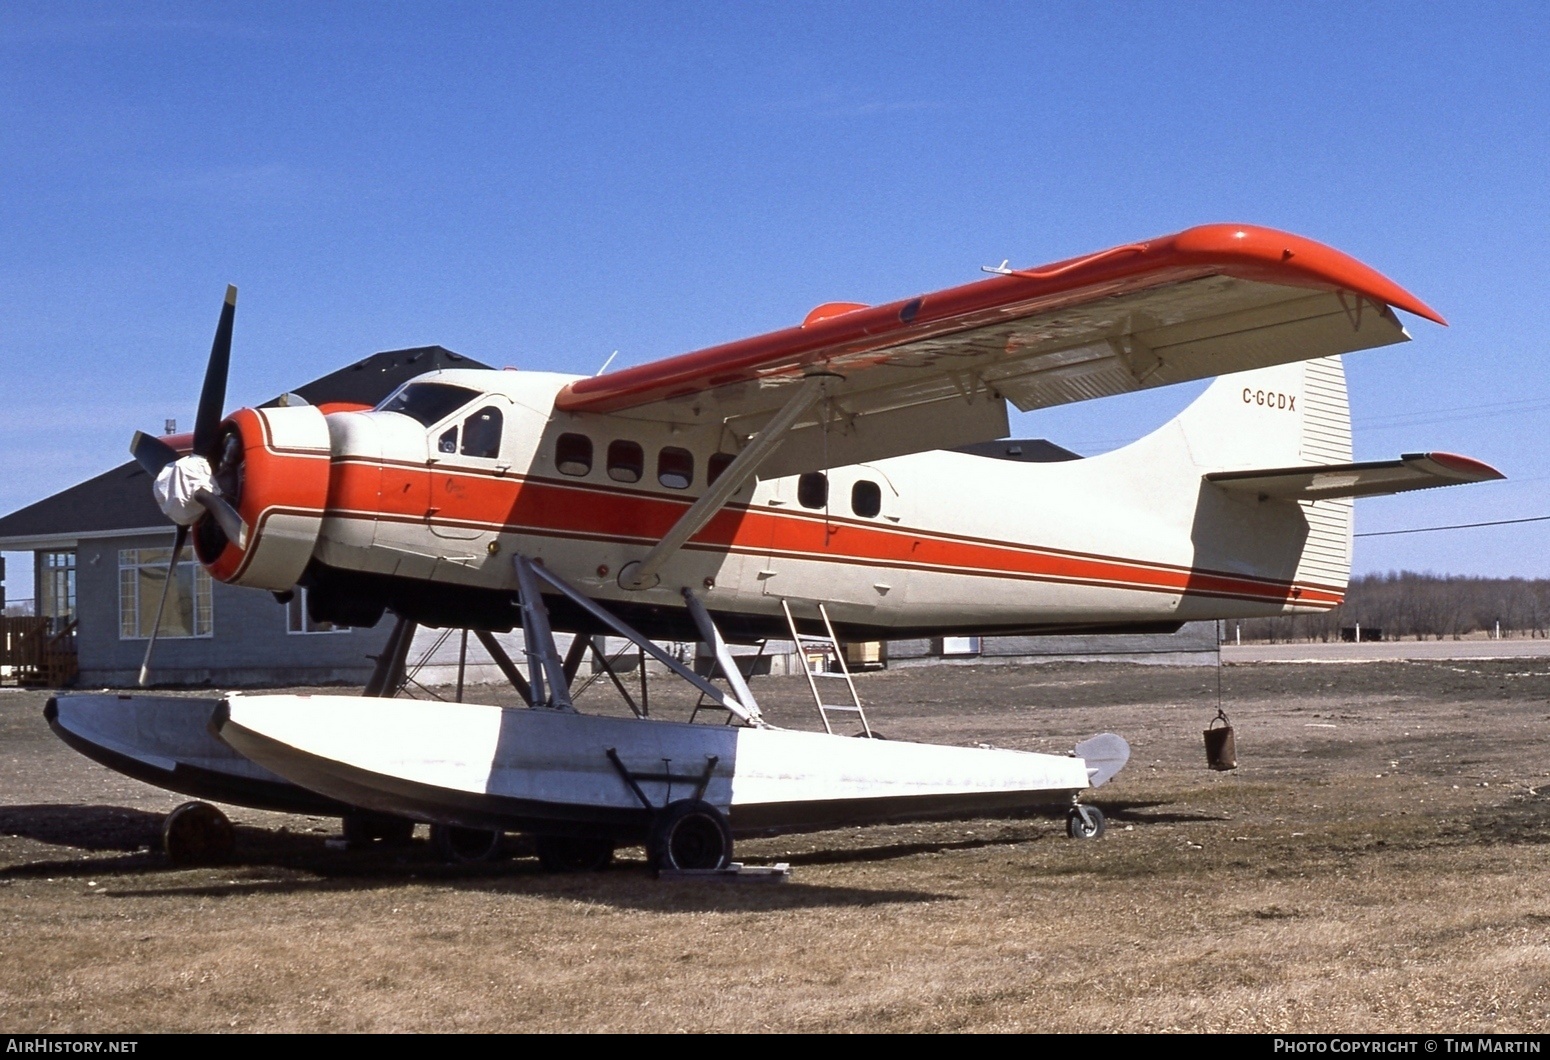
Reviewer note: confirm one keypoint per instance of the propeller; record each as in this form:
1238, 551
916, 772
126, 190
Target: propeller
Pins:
156, 456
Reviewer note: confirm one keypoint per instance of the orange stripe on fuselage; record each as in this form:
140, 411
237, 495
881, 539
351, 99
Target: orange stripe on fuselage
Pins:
401, 491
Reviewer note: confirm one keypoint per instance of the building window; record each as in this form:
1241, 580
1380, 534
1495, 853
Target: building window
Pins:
675, 468
299, 620
56, 588
573, 454
626, 461
142, 574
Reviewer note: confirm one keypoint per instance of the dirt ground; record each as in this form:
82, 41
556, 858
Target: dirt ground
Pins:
1377, 863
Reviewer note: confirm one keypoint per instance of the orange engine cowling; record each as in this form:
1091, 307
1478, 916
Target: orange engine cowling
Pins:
273, 467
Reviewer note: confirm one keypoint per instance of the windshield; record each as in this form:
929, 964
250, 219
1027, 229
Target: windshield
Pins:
428, 402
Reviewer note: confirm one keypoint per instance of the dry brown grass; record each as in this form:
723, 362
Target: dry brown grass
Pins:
1385, 874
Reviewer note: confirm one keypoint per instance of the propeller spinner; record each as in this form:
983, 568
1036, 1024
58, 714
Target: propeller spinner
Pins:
189, 488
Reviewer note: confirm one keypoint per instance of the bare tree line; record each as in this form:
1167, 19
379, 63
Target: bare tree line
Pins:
1404, 605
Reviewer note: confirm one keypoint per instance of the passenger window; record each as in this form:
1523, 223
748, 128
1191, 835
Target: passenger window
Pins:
813, 490
675, 468
482, 433
719, 462
866, 498
626, 461
447, 443
573, 454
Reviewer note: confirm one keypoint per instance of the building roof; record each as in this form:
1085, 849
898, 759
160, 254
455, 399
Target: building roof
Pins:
119, 501
369, 380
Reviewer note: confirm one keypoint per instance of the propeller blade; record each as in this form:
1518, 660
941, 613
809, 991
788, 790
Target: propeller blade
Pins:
212, 398
226, 515
151, 453
178, 541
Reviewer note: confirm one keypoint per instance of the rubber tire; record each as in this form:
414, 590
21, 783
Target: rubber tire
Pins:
196, 833
465, 846
365, 827
563, 853
690, 834
1077, 828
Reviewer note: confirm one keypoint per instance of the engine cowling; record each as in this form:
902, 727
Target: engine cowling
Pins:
273, 468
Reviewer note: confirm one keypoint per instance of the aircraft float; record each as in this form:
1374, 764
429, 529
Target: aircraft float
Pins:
828, 479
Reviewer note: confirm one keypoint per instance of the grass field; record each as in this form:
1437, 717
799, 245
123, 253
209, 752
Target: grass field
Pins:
1376, 864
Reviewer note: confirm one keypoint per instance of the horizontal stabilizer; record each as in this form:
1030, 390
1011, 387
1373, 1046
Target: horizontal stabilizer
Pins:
1104, 756
1374, 478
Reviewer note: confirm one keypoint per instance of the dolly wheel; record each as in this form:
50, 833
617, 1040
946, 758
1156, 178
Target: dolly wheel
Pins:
1084, 822
465, 845
690, 834
196, 833
564, 853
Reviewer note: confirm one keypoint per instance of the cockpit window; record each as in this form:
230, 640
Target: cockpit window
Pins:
482, 433
428, 402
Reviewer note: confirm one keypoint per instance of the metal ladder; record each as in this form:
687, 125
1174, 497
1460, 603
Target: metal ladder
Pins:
830, 643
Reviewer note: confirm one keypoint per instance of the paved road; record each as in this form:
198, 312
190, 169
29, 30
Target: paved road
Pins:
1387, 650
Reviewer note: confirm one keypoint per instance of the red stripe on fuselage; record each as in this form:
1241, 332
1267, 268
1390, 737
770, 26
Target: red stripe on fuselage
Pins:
410, 493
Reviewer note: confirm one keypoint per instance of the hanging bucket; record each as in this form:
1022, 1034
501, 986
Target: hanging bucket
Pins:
1221, 747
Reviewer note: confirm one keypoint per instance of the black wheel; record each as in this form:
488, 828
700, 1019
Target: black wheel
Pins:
363, 828
1091, 828
690, 834
563, 853
465, 845
196, 833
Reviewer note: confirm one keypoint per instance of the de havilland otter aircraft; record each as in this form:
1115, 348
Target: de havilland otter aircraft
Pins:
827, 477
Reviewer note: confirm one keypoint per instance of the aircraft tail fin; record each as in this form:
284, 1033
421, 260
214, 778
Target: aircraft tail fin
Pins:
1286, 416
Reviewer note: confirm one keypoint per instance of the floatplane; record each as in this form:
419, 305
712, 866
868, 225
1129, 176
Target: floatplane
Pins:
832, 479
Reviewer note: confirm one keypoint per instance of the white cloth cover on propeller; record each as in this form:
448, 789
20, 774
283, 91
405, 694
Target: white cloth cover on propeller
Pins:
177, 483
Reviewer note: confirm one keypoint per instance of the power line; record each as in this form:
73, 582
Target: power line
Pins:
1455, 526
1425, 417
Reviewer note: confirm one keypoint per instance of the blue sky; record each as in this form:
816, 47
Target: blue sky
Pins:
539, 185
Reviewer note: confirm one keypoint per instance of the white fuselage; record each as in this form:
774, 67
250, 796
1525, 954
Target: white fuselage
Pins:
937, 540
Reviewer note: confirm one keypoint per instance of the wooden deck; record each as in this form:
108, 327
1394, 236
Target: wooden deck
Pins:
34, 655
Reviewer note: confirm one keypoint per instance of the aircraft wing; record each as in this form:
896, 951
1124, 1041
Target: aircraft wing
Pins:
937, 370
1413, 471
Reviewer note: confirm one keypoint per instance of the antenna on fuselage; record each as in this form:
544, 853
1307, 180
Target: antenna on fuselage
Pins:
606, 363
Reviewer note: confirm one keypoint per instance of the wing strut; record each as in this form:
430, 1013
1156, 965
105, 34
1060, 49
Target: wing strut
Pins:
718, 646
530, 573
643, 575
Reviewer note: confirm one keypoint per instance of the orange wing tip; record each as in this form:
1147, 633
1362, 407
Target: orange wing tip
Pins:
1251, 252
231, 294
1466, 466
